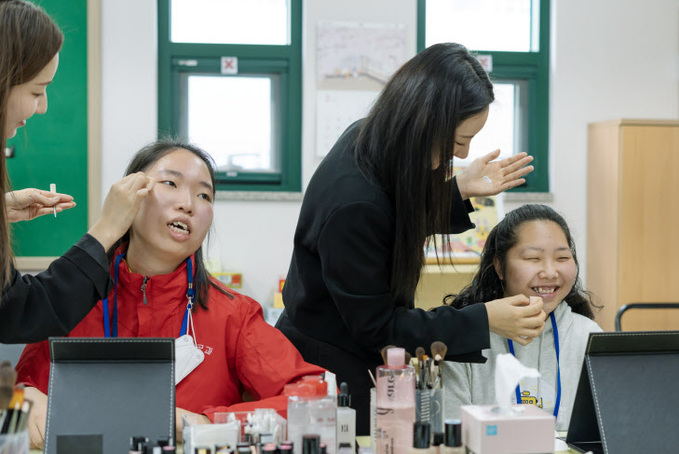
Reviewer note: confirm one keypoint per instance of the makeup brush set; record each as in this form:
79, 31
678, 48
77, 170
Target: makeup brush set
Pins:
14, 411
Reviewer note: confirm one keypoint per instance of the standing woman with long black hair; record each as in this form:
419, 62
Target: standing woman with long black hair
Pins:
382, 189
51, 303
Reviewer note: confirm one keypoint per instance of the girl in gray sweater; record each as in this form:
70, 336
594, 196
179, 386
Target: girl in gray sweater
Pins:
530, 252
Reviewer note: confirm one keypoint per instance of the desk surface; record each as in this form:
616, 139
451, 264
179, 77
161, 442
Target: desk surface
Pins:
362, 441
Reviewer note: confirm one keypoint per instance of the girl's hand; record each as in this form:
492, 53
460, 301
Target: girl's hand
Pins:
120, 207
517, 318
27, 204
194, 417
484, 177
37, 417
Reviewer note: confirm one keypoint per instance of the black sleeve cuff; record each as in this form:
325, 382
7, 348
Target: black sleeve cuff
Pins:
459, 211
89, 255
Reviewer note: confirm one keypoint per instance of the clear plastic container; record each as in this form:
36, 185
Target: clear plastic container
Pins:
312, 415
311, 411
395, 404
429, 407
15, 443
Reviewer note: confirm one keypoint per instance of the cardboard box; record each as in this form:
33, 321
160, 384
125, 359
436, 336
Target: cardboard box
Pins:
526, 430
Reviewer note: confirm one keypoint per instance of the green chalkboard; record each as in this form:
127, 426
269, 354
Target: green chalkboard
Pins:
52, 148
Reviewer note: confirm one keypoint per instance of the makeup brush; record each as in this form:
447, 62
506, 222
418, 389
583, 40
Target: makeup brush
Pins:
17, 397
419, 352
438, 351
384, 352
7, 380
23, 416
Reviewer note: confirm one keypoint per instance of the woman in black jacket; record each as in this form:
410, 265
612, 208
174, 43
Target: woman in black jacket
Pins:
33, 308
368, 209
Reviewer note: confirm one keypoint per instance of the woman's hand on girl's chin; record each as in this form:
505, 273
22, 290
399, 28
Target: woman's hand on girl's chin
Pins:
120, 207
516, 317
485, 177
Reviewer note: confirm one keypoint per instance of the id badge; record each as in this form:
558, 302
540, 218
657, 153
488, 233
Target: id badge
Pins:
187, 357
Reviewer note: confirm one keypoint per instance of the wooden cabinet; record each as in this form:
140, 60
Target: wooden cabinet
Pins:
633, 220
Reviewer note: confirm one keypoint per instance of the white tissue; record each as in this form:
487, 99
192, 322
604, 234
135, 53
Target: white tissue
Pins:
508, 373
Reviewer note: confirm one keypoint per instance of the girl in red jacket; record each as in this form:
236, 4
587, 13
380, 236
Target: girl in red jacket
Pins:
162, 289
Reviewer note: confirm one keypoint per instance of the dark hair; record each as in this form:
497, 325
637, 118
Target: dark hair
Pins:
487, 285
415, 116
144, 159
29, 40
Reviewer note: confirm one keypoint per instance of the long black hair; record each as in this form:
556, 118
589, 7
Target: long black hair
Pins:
487, 285
415, 117
29, 40
144, 159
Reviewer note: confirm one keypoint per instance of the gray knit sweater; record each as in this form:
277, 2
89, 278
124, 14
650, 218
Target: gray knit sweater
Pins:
466, 384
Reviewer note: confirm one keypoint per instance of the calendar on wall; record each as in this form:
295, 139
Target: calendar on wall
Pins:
353, 62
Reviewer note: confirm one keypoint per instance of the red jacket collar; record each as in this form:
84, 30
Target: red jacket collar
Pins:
169, 286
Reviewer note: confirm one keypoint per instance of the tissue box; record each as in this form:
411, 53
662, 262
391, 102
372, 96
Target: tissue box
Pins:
525, 430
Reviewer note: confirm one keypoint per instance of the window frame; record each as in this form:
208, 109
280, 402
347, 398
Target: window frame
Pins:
284, 61
533, 67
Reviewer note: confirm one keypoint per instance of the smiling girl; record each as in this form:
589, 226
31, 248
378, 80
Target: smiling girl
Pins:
153, 266
530, 252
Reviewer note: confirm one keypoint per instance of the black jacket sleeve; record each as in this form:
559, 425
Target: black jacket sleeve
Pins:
459, 211
53, 302
355, 251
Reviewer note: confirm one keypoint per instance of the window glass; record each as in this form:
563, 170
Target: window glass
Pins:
506, 125
230, 21
233, 118
490, 25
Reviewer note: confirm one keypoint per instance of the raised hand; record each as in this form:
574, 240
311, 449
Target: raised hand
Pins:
484, 177
120, 207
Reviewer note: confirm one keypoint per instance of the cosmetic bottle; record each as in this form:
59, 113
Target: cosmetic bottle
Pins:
136, 444
346, 419
166, 445
345, 448
311, 444
452, 437
311, 411
437, 442
421, 439
395, 404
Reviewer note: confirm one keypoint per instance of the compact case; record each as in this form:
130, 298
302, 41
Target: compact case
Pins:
627, 399
102, 391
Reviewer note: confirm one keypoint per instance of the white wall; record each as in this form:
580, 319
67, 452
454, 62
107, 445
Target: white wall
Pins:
610, 59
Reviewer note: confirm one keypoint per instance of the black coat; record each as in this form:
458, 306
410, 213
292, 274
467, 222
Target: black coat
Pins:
53, 302
339, 311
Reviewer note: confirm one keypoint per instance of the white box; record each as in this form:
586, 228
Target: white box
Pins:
527, 429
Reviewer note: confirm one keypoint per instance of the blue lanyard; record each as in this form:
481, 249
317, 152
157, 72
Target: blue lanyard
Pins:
558, 368
108, 323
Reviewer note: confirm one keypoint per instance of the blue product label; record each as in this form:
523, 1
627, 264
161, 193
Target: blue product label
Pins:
491, 430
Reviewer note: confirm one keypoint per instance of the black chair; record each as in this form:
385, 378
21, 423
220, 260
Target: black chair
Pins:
629, 306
